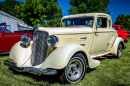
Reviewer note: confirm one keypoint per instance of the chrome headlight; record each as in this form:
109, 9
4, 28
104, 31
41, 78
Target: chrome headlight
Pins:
52, 40
25, 39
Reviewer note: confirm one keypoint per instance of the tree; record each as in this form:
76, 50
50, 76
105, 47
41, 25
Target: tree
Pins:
127, 22
123, 20
86, 6
43, 12
8, 6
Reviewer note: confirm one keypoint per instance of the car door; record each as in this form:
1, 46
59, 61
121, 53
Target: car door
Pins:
8, 39
112, 34
100, 36
1, 28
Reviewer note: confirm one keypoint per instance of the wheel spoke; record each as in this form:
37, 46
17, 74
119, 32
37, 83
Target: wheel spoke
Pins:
75, 69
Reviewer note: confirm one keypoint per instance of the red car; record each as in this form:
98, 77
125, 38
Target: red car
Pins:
121, 32
8, 38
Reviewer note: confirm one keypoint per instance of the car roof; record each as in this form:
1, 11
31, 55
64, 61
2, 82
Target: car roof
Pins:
84, 14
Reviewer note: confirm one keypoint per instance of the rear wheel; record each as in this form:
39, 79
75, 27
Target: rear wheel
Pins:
75, 69
126, 40
119, 51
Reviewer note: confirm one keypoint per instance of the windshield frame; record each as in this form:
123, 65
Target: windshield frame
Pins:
5, 29
1, 27
72, 18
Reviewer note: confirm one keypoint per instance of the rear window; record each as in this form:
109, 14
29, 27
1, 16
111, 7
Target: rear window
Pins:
116, 28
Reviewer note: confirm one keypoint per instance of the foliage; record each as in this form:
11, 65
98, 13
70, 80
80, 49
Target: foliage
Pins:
123, 20
85, 6
8, 6
45, 12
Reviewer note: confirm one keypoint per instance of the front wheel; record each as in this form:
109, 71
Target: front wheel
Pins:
119, 51
75, 69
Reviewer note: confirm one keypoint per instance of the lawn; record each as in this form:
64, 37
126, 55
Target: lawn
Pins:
111, 72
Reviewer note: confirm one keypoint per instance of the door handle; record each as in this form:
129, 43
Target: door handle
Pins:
82, 44
96, 33
83, 38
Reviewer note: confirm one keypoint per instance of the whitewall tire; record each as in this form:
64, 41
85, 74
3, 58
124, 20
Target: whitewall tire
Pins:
75, 69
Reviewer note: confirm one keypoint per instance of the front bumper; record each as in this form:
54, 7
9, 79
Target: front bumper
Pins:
31, 69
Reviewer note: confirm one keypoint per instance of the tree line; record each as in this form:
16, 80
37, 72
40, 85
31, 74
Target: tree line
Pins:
123, 20
48, 13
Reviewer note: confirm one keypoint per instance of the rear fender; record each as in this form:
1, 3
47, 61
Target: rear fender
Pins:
60, 57
115, 45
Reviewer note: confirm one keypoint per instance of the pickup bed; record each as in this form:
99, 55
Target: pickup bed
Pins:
123, 33
8, 39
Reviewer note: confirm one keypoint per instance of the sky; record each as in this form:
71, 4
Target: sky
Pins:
116, 7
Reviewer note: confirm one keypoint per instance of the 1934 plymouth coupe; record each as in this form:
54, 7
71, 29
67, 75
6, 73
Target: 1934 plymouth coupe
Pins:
70, 48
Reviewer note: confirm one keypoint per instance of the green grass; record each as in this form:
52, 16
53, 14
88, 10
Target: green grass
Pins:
111, 72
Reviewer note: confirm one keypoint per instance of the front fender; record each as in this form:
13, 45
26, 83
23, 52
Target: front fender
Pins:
19, 54
115, 45
60, 57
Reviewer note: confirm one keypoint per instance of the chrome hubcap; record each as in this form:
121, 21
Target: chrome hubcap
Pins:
74, 69
120, 51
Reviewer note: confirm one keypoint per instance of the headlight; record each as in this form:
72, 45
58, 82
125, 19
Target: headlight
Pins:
52, 40
25, 39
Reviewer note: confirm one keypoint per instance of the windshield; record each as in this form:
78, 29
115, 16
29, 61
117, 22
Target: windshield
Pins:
80, 21
6, 30
1, 27
116, 28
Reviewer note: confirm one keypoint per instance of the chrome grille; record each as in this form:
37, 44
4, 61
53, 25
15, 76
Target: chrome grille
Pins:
40, 47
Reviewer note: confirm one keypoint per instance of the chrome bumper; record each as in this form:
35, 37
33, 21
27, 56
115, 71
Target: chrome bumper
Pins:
31, 69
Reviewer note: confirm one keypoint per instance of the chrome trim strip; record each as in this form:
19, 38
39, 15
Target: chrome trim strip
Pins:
5, 52
103, 31
11, 35
31, 69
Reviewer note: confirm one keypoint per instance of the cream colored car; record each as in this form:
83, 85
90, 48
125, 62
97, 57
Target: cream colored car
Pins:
67, 50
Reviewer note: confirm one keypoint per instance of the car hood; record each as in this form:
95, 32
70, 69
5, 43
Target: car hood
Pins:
66, 30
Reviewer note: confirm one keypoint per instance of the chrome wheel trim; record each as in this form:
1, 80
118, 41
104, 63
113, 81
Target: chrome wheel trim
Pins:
120, 51
75, 70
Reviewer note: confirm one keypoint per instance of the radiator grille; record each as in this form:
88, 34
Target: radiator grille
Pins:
40, 47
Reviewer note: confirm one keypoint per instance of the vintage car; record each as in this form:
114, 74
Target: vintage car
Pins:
123, 33
67, 50
8, 38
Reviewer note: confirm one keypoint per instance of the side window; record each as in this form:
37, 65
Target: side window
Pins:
102, 22
121, 28
67, 23
99, 22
